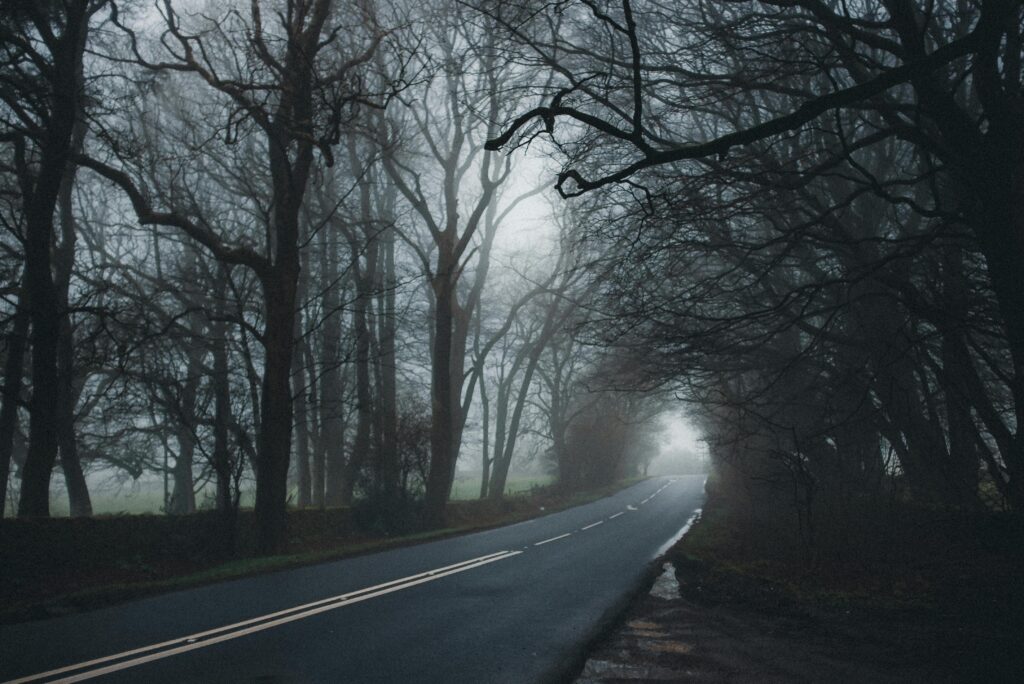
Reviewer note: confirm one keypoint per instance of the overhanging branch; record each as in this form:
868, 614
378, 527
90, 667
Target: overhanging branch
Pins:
720, 146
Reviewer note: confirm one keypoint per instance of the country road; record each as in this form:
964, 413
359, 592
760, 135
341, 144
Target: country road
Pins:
512, 604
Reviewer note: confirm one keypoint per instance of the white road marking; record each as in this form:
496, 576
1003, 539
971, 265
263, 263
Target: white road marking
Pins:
630, 507
253, 625
591, 525
679, 535
613, 517
546, 541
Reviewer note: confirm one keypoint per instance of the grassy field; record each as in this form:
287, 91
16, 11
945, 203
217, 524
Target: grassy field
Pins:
468, 486
131, 501
148, 497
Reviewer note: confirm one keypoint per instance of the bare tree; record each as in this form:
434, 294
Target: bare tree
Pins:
460, 106
297, 97
44, 45
944, 80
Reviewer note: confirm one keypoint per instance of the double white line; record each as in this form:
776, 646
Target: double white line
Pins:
139, 656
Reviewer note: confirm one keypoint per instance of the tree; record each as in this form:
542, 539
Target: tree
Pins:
460, 104
44, 45
944, 81
555, 301
297, 96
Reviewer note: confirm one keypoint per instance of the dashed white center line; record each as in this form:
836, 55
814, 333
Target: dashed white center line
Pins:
630, 507
561, 536
612, 517
591, 525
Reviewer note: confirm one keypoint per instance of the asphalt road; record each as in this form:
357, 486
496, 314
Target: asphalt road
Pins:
512, 604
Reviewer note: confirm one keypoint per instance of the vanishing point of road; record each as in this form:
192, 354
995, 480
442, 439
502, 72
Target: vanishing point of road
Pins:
513, 604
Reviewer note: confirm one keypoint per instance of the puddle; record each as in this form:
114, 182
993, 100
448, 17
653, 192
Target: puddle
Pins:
666, 586
642, 624
673, 647
643, 646
599, 671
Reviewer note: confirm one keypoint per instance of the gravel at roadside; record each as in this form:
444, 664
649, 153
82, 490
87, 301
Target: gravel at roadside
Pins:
671, 634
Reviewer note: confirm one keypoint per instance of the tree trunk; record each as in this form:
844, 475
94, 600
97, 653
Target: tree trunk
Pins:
226, 468
183, 496
313, 427
74, 478
499, 475
363, 247
442, 406
70, 387
14, 368
364, 399
1000, 231
503, 451
55, 149
302, 471
300, 392
485, 457
43, 406
964, 463
273, 448
329, 469
223, 464
388, 400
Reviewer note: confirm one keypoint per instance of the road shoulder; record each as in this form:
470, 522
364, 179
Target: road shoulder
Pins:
707, 621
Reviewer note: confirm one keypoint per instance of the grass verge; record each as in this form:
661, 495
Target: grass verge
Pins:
945, 603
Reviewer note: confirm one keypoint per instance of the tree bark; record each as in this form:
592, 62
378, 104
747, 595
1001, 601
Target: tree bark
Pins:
14, 369
364, 250
300, 392
364, 398
485, 448
329, 466
302, 471
70, 384
290, 139
1002, 243
273, 445
388, 400
55, 151
183, 495
223, 464
442, 396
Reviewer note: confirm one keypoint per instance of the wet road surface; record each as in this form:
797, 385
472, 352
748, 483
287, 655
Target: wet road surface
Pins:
512, 604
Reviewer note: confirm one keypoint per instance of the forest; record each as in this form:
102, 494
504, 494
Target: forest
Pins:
322, 251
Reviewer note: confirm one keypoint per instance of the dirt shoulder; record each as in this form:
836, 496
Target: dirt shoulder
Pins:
717, 616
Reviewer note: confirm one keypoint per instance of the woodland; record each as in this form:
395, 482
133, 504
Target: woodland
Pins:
266, 245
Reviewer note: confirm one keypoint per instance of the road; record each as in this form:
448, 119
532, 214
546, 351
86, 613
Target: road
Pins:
512, 604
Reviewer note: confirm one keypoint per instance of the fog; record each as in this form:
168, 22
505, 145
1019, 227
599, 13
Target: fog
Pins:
683, 450
516, 243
